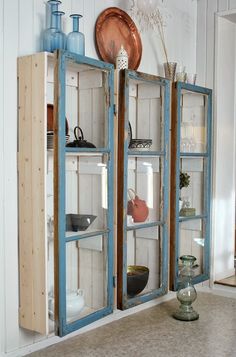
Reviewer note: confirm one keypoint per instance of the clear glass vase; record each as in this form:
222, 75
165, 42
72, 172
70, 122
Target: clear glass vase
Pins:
186, 293
75, 40
47, 34
58, 37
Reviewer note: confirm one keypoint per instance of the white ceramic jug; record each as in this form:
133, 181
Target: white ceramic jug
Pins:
74, 304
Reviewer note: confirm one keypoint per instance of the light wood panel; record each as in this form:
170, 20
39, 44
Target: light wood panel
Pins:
32, 193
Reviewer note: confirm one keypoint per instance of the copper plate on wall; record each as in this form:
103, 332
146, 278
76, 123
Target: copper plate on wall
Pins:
114, 28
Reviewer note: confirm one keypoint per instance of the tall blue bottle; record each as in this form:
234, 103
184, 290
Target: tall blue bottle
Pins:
47, 34
59, 37
75, 40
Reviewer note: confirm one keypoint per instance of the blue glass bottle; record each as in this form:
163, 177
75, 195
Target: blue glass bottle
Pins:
59, 38
47, 34
75, 40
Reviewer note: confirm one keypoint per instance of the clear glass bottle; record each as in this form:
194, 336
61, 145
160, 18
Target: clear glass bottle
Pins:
47, 34
75, 40
59, 37
186, 293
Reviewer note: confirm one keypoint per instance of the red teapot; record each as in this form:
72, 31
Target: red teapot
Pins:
136, 207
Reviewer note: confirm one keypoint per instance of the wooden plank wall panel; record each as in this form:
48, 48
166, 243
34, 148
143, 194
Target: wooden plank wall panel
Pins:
223, 5
9, 169
2, 241
26, 40
25, 192
232, 4
32, 168
201, 41
39, 169
210, 61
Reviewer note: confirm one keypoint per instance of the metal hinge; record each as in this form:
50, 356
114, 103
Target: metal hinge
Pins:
114, 281
114, 109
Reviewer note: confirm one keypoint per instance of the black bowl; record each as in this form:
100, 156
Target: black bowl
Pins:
78, 222
137, 278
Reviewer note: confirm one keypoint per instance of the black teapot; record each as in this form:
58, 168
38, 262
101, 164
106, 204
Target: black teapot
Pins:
79, 141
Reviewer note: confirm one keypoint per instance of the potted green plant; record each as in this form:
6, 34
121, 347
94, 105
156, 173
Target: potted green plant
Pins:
184, 181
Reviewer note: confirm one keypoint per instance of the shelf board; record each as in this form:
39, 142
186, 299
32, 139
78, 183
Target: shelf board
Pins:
141, 225
190, 218
145, 153
74, 236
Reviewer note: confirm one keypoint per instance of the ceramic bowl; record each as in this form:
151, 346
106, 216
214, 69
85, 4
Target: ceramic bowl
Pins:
78, 222
137, 278
140, 144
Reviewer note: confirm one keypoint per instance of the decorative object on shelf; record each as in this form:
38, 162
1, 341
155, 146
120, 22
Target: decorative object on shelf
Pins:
48, 39
184, 181
140, 144
79, 222
50, 138
114, 27
50, 120
74, 304
59, 38
137, 278
137, 144
79, 140
136, 207
149, 16
186, 293
186, 210
75, 40
129, 134
170, 69
122, 59
181, 74
191, 78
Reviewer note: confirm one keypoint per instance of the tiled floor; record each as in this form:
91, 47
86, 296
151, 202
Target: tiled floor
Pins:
153, 332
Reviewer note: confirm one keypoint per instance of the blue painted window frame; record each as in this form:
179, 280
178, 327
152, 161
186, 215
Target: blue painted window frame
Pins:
206, 217
123, 301
62, 327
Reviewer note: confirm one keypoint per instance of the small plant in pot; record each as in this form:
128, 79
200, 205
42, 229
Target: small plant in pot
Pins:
184, 181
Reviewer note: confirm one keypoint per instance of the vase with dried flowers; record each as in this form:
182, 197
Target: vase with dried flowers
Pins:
149, 16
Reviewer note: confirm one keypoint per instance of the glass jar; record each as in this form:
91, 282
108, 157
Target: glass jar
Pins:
47, 34
75, 40
186, 293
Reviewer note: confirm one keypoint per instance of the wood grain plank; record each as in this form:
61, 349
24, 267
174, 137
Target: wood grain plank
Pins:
32, 193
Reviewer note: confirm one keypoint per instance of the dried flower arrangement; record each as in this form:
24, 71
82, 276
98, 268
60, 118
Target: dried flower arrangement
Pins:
149, 17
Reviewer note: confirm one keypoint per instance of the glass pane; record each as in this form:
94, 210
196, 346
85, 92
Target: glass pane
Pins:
146, 106
86, 193
144, 194
193, 122
86, 103
193, 196
143, 250
86, 276
192, 241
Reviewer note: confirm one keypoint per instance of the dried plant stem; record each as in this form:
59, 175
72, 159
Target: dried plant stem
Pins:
162, 37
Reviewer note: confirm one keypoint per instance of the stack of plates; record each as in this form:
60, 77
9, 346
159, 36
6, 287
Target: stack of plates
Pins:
50, 136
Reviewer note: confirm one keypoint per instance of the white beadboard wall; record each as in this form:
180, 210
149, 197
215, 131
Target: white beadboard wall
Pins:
21, 25
216, 69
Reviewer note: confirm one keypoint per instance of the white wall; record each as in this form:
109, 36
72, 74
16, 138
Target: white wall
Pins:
21, 24
216, 69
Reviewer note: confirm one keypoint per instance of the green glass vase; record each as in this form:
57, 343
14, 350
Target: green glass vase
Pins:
186, 293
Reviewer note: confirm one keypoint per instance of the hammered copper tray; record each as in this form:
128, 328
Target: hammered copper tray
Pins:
114, 28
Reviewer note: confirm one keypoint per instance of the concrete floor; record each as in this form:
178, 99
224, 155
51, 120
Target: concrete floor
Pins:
153, 333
